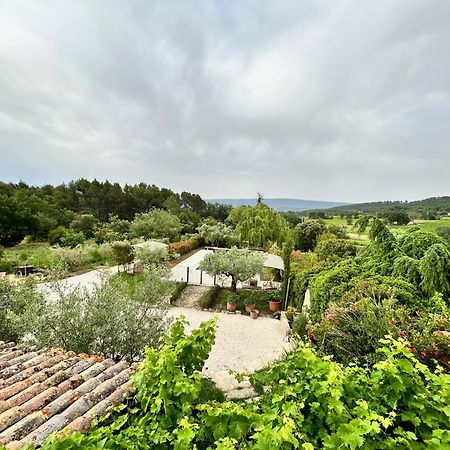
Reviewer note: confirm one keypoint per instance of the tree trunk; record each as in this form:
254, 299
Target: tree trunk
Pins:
233, 286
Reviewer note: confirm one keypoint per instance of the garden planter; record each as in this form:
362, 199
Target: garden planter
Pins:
274, 305
250, 308
254, 314
231, 306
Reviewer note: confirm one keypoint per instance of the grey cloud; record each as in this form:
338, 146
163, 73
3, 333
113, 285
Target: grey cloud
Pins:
333, 100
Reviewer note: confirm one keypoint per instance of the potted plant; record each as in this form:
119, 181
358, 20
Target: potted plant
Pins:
232, 302
254, 313
290, 314
249, 303
274, 302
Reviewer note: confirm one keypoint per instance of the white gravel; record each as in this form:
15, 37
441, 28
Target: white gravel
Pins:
242, 344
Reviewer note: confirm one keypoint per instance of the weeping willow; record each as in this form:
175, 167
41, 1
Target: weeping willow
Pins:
259, 225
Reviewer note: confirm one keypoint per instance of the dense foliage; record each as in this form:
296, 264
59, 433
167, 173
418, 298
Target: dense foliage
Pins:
35, 211
117, 319
428, 208
306, 402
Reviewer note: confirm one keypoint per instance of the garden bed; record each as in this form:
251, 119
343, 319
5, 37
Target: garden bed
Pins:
216, 299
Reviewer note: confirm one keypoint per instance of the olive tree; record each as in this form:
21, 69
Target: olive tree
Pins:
239, 264
216, 233
112, 320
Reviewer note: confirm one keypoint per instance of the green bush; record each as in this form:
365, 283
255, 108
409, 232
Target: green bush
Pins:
117, 320
335, 249
330, 285
210, 297
299, 325
352, 333
55, 235
15, 299
179, 287
72, 239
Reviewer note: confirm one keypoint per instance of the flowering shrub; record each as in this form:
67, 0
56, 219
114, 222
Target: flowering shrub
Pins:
182, 247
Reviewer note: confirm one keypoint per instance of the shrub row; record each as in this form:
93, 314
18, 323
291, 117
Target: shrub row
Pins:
182, 247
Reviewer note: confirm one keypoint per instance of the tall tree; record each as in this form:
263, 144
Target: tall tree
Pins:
259, 225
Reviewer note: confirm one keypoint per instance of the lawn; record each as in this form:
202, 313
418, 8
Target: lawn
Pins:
38, 256
426, 225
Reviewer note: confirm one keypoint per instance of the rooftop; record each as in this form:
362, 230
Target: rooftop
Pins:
46, 390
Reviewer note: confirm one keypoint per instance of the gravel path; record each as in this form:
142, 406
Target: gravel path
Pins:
242, 344
191, 295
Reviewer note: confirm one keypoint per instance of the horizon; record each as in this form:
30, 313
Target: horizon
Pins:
242, 198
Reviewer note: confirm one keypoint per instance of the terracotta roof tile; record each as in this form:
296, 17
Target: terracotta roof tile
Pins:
46, 390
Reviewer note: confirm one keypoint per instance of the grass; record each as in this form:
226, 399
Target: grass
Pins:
133, 281
43, 257
40, 257
426, 225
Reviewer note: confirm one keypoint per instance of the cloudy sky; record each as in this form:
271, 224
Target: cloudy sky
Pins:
345, 100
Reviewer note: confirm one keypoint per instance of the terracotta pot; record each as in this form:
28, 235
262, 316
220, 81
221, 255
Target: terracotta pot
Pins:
250, 308
231, 306
274, 305
254, 313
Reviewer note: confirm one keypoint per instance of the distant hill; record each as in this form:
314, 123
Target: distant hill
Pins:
432, 204
279, 204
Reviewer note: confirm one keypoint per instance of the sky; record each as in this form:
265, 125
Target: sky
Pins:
339, 100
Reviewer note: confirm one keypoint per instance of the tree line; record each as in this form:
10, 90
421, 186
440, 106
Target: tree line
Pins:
35, 211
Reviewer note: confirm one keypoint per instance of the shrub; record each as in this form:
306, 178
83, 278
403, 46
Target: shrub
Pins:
55, 235
72, 258
330, 285
183, 247
114, 321
151, 257
179, 287
123, 253
72, 239
334, 249
15, 298
210, 297
299, 325
352, 333
306, 234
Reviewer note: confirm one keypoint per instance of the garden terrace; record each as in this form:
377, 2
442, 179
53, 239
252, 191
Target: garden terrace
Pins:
44, 391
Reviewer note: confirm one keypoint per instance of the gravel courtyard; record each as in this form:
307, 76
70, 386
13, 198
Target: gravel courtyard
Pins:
242, 344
